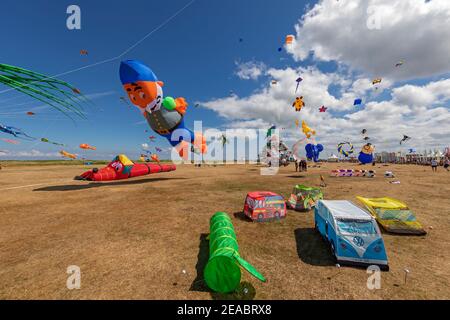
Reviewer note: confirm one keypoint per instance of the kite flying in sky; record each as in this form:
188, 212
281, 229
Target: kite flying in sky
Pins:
16, 132
66, 154
323, 109
165, 115
56, 93
299, 79
405, 138
298, 103
357, 102
87, 147
51, 142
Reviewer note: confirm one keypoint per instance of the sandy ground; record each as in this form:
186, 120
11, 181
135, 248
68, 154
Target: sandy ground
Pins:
133, 239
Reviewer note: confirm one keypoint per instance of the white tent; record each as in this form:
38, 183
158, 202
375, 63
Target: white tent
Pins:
333, 158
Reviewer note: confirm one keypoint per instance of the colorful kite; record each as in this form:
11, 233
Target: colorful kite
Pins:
152, 138
376, 80
313, 151
158, 149
84, 52
222, 272
289, 39
323, 109
345, 148
357, 102
164, 115
66, 154
51, 142
298, 103
87, 147
154, 157
307, 130
123, 168
366, 154
56, 93
16, 132
29, 113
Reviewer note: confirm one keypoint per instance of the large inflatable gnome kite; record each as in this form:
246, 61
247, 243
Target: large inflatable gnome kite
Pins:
164, 115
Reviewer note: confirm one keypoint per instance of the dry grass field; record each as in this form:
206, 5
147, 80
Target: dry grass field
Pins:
145, 238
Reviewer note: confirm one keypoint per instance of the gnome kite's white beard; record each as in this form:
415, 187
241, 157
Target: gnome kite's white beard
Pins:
155, 105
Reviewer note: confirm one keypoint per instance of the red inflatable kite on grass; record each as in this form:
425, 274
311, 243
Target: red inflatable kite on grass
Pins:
123, 168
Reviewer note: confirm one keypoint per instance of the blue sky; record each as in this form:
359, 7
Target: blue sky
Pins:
196, 55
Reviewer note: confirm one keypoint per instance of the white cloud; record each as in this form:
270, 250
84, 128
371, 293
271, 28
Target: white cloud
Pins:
413, 30
30, 154
411, 110
250, 70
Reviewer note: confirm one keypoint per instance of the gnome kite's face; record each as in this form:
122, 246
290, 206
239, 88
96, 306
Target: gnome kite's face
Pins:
147, 95
141, 85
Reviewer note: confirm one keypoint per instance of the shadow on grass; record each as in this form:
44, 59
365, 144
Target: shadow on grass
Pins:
74, 187
245, 290
241, 216
202, 259
298, 176
312, 249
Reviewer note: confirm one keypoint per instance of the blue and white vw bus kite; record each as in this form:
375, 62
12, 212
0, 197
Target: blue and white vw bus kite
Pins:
353, 234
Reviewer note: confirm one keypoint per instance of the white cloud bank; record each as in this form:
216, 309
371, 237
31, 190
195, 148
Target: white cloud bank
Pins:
373, 35
413, 30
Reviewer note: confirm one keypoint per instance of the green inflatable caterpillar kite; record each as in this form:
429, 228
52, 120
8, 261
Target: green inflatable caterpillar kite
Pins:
222, 273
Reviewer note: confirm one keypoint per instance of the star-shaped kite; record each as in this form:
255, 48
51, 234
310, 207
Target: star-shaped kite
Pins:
323, 109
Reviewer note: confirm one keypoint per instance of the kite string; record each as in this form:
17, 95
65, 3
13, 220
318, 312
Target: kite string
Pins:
165, 22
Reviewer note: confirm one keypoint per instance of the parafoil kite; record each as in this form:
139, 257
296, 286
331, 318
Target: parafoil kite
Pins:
307, 130
405, 138
49, 90
313, 151
299, 79
366, 154
345, 148
87, 147
66, 154
123, 168
357, 102
323, 109
298, 103
16, 132
51, 142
